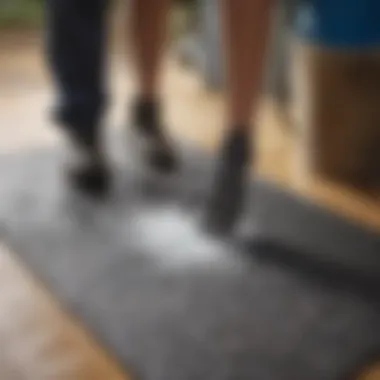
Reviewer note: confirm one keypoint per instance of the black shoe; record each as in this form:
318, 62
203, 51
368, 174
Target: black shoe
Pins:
228, 192
87, 168
158, 152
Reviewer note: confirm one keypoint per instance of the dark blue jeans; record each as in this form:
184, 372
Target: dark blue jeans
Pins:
76, 38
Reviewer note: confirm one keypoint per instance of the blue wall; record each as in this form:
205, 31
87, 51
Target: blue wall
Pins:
340, 23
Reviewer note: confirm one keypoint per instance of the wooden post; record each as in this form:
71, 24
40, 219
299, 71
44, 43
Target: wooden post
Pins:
342, 126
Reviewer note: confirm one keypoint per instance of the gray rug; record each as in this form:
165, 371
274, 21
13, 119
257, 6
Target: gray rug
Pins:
169, 301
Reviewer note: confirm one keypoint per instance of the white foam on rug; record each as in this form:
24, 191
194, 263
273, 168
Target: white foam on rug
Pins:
163, 230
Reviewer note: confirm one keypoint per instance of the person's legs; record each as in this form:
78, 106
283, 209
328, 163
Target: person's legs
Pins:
247, 25
76, 40
149, 20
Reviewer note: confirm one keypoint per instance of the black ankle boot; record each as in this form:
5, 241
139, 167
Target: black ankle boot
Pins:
228, 192
158, 152
87, 168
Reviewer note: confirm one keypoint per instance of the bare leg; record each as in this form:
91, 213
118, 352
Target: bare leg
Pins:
246, 25
149, 37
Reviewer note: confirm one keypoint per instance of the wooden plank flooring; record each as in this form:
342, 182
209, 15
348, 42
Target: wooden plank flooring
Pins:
38, 340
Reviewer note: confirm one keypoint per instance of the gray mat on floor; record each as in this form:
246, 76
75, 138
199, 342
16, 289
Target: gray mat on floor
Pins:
169, 301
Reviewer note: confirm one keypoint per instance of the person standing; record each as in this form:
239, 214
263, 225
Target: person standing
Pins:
77, 36
246, 26
76, 48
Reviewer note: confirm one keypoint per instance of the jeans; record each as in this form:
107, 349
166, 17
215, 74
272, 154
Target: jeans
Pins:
76, 39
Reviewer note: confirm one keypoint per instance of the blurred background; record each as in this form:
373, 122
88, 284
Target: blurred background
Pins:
319, 139
21, 14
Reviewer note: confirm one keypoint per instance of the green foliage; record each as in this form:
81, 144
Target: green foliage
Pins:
184, 17
187, 2
28, 13
20, 13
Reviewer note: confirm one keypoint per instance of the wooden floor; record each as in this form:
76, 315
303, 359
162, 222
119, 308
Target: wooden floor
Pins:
38, 340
